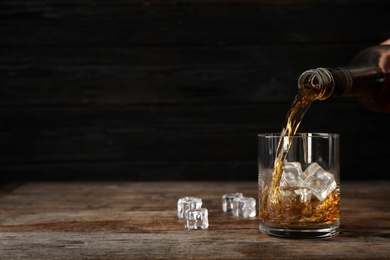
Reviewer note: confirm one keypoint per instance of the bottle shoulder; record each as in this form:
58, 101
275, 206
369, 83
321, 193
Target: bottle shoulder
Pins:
375, 56
367, 79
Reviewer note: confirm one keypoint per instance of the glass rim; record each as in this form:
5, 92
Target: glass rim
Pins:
301, 134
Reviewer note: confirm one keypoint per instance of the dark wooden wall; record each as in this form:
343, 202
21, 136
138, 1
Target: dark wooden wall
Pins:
176, 89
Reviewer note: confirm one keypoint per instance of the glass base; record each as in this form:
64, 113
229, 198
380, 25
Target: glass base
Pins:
300, 232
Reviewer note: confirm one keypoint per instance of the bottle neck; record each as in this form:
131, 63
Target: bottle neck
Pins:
319, 81
343, 82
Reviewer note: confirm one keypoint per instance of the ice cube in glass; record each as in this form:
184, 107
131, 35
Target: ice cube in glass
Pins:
290, 175
318, 180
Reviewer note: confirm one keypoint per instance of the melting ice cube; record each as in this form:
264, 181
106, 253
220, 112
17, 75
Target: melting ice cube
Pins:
319, 181
244, 207
295, 202
186, 203
304, 194
197, 219
290, 175
227, 201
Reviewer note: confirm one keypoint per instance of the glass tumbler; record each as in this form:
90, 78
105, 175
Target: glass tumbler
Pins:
300, 197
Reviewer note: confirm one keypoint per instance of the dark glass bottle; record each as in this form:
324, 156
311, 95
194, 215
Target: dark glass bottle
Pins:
367, 78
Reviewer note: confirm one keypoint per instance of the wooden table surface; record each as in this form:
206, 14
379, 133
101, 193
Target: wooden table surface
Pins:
138, 220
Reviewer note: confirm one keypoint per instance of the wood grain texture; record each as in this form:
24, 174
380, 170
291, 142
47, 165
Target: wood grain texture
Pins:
138, 220
174, 90
173, 142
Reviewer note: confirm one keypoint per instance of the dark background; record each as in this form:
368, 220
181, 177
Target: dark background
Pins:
175, 90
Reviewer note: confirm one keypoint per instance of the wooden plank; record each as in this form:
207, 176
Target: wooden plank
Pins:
163, 142
122, 220
32, 3
205, 25
126, 76
173, 89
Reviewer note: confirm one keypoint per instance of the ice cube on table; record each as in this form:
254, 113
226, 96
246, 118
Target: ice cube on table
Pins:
290, 175
197, 219
227, 201
186, 203
244, 207
319, 181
